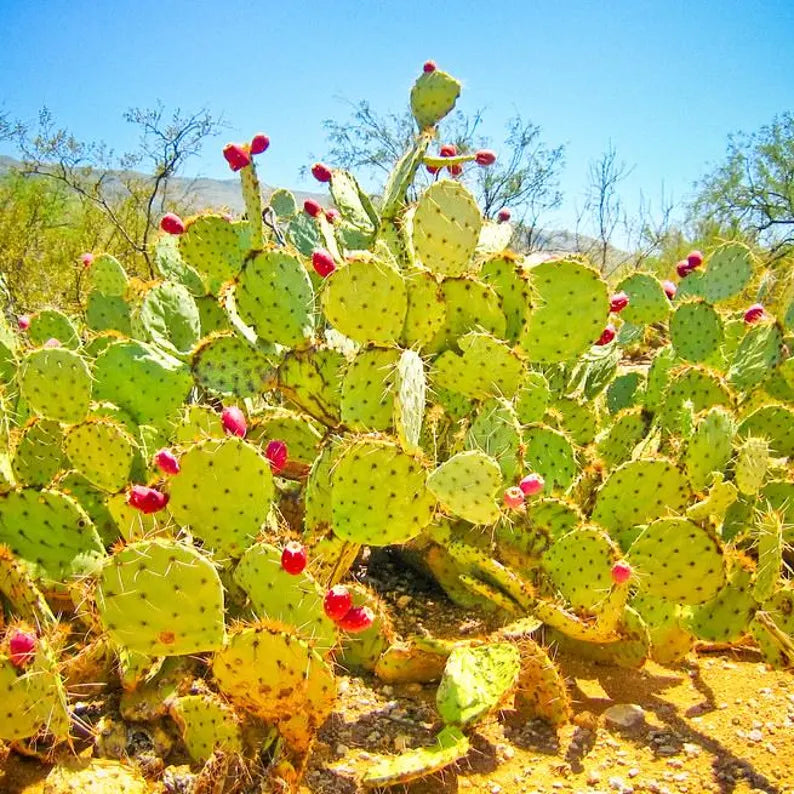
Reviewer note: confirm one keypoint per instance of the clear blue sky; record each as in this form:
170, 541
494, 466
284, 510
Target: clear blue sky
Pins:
664, 81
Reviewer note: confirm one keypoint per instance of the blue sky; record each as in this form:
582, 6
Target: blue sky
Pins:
665, 82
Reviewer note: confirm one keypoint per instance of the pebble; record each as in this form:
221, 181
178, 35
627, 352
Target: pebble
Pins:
342, 749
633, 772
691, 749
496, 788
403, 601
666, 749
755, 735
593, 777
624, 715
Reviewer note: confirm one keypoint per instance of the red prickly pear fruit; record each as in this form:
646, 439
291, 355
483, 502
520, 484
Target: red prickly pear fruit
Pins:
322, 262
147, 500
670, 289
432, 169
172, 224
485, 157
621, 572
695, 259
52, 342
683, 268
233, 421
24, 322
429, 66
513, 497
448, 150
337, 602
276, 452
167, 462
321, 172
618, 302
532, 484
455, 170
754, 314
357, 619
86, 259
236, 156
293, 558
259, 143
332, 215
312, 207
607, 335
22, 646
503, 216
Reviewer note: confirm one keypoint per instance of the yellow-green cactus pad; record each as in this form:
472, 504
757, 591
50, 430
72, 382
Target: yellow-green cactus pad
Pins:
695, 330
550, 453
206, 724
426, 309
368, 389
107, 276
169, 317
699, 386
102, 451
161, 598
310, 379
227, 365
727, 272
773, 628
756, 356
710, 446
671, 641
56, 383
468, 485
470, 305
108, 313
433, 96
647, 301
511, 283
496, 432
38, 456
172, 267
409, 400
774, 423
299, 432
211, 246
616, 443
52, 324
532, 398
752, 463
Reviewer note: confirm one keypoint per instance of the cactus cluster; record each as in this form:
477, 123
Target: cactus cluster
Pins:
193, 465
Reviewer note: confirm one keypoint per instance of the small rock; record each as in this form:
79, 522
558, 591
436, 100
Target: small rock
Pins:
403, 601
691, 749
676, 763
755, 735
593, 777
624, 715
666, 749
496, 788
342, 749
633, 772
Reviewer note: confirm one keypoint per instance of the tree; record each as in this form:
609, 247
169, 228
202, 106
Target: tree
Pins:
524, 179
751, 193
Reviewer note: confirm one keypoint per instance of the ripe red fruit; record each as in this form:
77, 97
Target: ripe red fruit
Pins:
147, 500
485, 157
236, 156
618, 302
754, 314
683, 268
670, 289
276, 452
448, 150
513, 497
321, 172
695, 259
21, 647
24, 322
332, 215
312, 207
259, 143
293, 558
503, 215
167, 462
357, 619
172, 224
432, 169
455, 170
86, 259
322, 262
429, 66
52, 342
532, 484
337, 602
621, 572
607, 335
233, 421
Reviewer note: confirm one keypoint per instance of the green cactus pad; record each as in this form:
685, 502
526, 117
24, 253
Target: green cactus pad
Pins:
623, 391
659, 376
368, 389
757, 355
391, 770
541, 692
283, 203
532, 398
275, 297
171, 266
147, 383
212, 316
616, 442
773, 628
161, 598
752, 463
647, 301
710, 446
169, 317
21, 592
52, 324
569, 310
579, 564
550, 453
769, 546
56, 383
727, 272
319, 515
678, 561
446, 227
409, 401
487, 367
211, 246
476, 680
774, 423
304, 234
470, 305
670, 640
433, 96
352, 202
29, 519
468, 485
699, 386
578, 418
301, 434
510, 282
227, 365
196, 423
223, 493
296, 601
366, 300
38, 456
639, 491
310, 379
108, 313
496, 432
92, 500
401, 178
206, 725
107, 276
695, 331
378, 494
102, 451
426, 312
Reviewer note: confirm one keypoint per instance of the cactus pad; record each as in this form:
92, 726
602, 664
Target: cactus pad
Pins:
433, 96
699, 386
409, 401
368, 389
210, 245
728, 271
102, 451
541, 692
647, 301
426, 311
496, 432
616, 443
695, 330
773, 628
52, 324
226, 365
56, 383
549, 453
468, 485
757, 355
206, 724
752, 463
38, 456
774, 423
710, 447
169, 317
